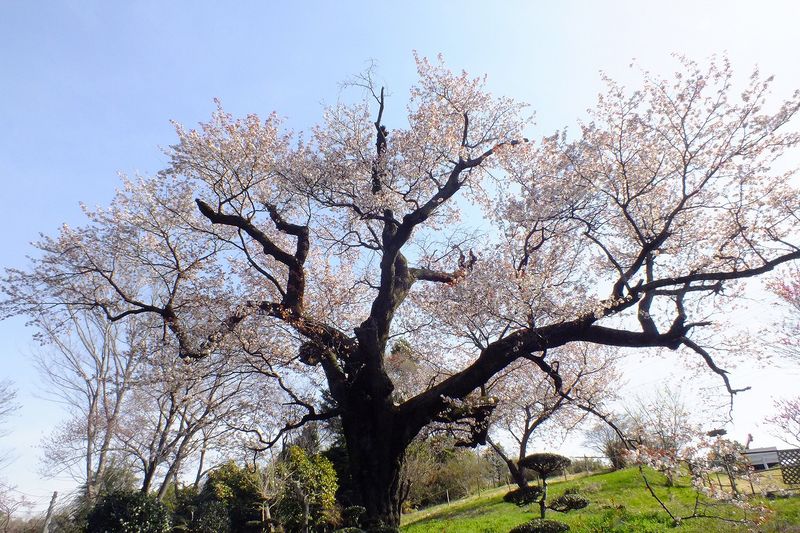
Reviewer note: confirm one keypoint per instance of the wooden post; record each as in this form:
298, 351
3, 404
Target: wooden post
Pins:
49, 515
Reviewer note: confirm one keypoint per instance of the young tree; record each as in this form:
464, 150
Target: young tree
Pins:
527, 400
787, 410
317, 252
546, 465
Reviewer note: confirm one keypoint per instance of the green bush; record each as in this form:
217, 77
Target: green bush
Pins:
524, 496
309, 484
213, 517
232, 498
539, 525
128, 512
570, 501
349, 530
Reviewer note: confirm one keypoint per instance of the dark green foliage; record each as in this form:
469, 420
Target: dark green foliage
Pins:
569, 502
182, 501
347, 492
117, 477
214, 517
524, 496
545, 464
349, 530
128, 512
539, 525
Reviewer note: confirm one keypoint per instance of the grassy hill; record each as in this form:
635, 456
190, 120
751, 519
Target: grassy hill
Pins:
619, 503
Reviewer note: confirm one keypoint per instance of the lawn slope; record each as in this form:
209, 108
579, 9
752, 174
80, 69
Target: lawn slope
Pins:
619, 503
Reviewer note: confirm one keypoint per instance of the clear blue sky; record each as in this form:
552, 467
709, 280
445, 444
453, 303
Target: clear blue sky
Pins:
87, 89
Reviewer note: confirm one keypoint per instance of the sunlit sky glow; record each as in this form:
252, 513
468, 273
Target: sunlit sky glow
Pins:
88, 90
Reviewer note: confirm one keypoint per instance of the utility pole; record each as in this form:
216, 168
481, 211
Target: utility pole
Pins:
50, 509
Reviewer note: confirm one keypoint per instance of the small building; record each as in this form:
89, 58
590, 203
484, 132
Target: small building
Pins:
763, 458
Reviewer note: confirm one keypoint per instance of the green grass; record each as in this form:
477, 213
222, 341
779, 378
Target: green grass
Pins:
619, 503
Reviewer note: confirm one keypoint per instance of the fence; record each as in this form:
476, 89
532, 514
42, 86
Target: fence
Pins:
790, 466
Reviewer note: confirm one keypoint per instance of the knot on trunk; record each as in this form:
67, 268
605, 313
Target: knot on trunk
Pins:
311, 353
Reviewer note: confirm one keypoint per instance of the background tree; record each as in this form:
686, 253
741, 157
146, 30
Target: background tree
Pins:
177, 412
603, 439
787, 288
9, 502
786, 419
663, 426
8, 404
318, 252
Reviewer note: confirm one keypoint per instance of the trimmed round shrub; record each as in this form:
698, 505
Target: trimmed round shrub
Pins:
129, 512
570, 501
351, 516
545, 464
524, 496
538, 525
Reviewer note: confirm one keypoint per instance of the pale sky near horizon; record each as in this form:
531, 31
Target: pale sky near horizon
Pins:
87, 89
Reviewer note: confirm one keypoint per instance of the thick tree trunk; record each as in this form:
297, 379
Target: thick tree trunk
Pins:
376, 444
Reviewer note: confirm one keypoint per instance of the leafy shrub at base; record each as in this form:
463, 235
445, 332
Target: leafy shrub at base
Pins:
539, 525
351, 516
129, 512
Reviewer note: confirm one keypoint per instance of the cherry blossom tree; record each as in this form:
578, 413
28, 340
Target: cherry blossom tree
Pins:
787, 288
314, 251
786, 420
